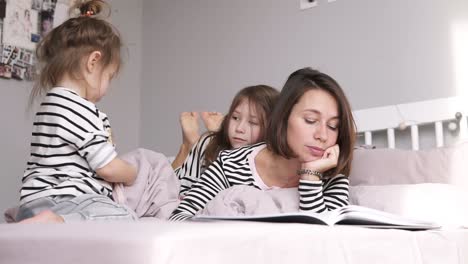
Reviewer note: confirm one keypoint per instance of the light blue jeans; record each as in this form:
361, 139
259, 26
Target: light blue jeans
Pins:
86, 207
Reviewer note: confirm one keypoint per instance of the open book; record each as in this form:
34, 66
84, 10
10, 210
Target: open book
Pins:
348, 215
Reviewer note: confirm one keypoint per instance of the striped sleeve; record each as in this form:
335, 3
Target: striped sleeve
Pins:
211, 182
318, 196
96, 150
193, 166
78, 123
97, 146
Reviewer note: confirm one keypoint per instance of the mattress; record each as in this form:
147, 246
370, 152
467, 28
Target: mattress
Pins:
225, 242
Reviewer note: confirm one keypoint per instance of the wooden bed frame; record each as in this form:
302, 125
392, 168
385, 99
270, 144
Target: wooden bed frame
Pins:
452, 112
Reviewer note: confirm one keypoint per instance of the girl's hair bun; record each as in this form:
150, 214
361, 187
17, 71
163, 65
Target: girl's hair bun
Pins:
90, 8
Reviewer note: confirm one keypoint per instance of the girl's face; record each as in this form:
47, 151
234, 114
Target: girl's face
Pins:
244, 126
313, 125
99, 82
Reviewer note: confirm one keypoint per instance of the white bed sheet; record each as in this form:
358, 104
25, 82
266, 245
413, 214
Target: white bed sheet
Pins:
225, 242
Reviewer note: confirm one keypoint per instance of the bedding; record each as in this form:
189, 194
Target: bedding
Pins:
225, 242
396, 166
158, 241
445, 204
155, 193
246, 200
233, 242
420, 184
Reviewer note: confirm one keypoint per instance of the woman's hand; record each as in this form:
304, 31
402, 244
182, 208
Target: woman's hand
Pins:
328, 161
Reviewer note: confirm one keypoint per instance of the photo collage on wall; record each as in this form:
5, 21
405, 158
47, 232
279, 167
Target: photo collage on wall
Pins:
23, 23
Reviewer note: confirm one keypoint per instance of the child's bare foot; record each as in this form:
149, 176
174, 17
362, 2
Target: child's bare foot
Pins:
44, 217
212, 120
189, 124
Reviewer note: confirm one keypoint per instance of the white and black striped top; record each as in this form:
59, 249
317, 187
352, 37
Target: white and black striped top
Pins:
232, 167
194, 165
71, 138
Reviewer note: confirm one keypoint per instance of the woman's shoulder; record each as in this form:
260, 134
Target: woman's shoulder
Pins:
242, 151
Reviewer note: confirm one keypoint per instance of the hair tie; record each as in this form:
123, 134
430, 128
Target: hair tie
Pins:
88, 13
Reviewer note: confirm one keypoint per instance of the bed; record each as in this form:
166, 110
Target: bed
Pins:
427, 184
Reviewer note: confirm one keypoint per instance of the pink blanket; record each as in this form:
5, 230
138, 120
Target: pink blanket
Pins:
155, 192
246, 200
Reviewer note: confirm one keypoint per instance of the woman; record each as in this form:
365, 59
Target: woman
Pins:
309, 143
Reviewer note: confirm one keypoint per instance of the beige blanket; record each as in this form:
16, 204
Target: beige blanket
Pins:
156, 190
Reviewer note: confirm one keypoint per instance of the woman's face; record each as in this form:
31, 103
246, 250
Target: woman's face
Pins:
244, 125
313, 125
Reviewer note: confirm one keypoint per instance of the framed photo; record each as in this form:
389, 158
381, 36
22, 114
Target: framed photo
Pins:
5, 71
36, 5
19, 24
18, 72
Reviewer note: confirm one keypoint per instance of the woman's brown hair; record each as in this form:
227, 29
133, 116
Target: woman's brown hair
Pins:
62, 50
262, 97
297, 84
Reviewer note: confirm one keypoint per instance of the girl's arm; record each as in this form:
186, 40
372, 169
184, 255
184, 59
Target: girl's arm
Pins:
193, 166
118, 170
211, 182
318, 196
181, 156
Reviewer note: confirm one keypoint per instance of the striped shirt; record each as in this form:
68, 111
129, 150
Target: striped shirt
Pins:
71, 138
232, 167
194, 165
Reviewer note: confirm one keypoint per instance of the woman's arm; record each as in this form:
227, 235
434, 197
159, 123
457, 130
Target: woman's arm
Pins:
318, 196
211, 182
193, 166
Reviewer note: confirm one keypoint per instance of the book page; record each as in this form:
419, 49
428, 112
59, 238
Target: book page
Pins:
300, 217
358, 215
348, 215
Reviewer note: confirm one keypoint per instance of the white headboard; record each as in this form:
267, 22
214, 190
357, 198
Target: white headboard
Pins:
401, 116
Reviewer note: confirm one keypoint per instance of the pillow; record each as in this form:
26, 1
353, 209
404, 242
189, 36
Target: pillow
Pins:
394, 166
444, 204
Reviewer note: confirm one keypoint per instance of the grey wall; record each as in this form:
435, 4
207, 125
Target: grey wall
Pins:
199, 53
15, 134
122, 106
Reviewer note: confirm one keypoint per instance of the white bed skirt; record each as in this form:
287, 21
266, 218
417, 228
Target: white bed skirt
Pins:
225, 242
